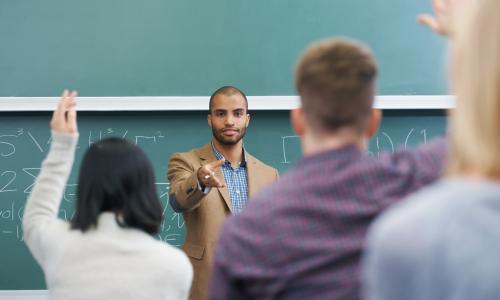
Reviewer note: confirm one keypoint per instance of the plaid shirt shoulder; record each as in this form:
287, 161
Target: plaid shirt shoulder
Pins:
302, 238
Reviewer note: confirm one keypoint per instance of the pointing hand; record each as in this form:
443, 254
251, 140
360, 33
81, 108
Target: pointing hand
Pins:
206, 174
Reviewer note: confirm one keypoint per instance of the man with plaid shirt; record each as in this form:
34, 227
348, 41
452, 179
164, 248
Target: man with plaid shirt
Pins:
302, 237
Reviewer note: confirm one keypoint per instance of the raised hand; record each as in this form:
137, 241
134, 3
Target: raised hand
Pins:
206, 174
64, 117
442, 21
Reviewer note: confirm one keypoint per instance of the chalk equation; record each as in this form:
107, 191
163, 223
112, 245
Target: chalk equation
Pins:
383, 141
11, 214
18, 145
41, 143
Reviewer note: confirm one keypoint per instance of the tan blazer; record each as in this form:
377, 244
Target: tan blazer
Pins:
205, 214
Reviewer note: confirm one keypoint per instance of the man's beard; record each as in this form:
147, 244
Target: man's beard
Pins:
228, 141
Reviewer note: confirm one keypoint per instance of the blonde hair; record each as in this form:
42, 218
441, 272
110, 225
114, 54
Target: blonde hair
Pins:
475, 122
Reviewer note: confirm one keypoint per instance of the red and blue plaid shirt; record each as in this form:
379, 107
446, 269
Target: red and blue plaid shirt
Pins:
302, 237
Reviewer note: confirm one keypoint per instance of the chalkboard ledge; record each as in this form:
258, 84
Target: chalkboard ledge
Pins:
201, 103
24, 295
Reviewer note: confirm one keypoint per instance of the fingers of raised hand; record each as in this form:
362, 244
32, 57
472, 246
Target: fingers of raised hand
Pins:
439, 6
64, 117
429, 21
442, 21
71, 121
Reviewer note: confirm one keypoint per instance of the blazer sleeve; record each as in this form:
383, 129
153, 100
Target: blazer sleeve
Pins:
185, 193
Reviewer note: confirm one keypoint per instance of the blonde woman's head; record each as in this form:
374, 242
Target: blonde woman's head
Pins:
475, 123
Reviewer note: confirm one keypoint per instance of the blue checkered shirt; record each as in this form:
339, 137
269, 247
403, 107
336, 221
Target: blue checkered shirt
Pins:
236, 181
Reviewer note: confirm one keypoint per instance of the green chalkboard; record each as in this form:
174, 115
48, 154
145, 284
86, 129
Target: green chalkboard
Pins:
192, 47
24, 141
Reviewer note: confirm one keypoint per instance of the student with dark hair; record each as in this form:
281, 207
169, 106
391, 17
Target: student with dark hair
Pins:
116, 176
107, 252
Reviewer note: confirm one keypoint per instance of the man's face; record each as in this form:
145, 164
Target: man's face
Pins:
229, 118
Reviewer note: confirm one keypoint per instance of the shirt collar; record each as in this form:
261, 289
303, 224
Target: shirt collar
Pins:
348, 152
219, 156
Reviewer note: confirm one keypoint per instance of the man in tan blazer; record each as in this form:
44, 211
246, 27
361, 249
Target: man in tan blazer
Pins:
209, 183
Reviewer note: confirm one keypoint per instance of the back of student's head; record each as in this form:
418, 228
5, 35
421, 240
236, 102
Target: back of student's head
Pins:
475, 121
116, 176
335, 79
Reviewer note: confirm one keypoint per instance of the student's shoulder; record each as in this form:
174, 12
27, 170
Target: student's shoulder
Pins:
263, 209
168, 259
169, 253
423, 210
255, 235
408, 237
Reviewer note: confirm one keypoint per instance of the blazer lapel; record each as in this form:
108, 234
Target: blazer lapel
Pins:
223, 191
253, 173
207, 156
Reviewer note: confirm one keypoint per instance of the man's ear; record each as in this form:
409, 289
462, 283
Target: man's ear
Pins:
373, 123
209, 120
248, 119
297, 119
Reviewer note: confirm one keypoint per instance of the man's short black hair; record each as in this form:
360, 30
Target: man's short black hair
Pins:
116, 176
227, 90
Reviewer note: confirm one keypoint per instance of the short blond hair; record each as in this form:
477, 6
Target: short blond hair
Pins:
475, 122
